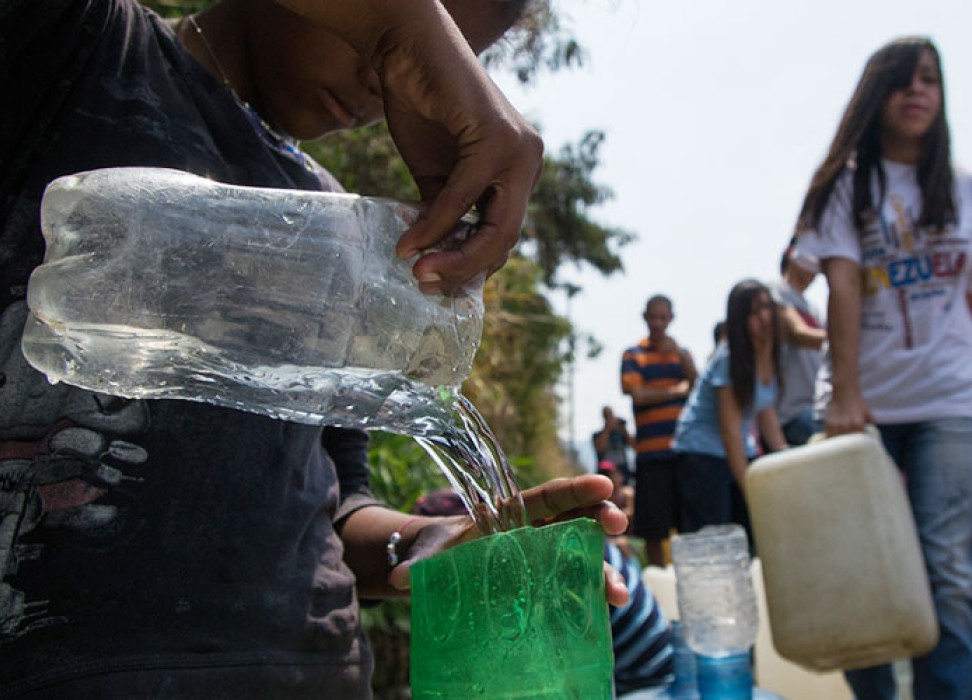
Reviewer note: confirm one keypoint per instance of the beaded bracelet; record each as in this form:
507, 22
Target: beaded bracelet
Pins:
394, 539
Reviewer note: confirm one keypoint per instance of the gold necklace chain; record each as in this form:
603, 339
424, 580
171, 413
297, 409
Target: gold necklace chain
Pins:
209, 50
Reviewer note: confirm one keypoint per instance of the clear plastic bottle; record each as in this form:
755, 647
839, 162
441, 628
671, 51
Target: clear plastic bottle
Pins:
717, 608
161, 284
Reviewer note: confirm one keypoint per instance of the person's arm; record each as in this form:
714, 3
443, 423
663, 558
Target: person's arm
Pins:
730, 430
650, 395
642, 395
463, 142
365, 535
366, 532
798, 331
688, 367
848, 412
770, 430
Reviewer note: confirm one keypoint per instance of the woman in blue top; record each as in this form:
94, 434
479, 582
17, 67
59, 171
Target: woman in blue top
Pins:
715, 437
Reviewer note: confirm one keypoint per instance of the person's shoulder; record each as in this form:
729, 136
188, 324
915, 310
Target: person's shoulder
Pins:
783, 294
57, 24
843, 191
719, 363
846, 176
679, 348
641, 347
963, 182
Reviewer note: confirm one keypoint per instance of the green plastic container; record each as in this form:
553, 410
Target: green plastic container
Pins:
519, 614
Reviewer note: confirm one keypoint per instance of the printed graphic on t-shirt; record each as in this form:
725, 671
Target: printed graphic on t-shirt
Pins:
915, 264
808, 318
64, 464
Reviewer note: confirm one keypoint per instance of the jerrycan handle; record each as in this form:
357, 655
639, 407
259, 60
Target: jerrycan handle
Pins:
870, 429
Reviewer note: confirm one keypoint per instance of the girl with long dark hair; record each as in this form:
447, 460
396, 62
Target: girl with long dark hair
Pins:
716, 434
890, 221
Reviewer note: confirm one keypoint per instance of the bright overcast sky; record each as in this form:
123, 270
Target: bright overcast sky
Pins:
715, 113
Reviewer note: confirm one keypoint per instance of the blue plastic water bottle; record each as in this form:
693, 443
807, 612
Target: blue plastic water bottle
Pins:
684, 687
724, 677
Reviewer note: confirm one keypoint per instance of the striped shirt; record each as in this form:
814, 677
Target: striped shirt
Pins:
643, 365
643, 655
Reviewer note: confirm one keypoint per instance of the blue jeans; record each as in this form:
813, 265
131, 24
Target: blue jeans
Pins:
936, 459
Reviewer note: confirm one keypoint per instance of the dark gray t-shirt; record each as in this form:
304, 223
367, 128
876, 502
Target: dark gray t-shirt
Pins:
153, 548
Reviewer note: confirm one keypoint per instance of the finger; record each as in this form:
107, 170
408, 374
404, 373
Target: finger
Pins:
448, 272
611, 518
496, 169
614, 586
400, 577
559, 496
496, 234
447, 203
502, 206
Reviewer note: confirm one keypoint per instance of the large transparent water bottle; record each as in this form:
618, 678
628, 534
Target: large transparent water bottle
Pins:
717, 608
160, 284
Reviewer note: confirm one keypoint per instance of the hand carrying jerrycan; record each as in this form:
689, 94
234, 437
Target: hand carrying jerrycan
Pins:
846, 585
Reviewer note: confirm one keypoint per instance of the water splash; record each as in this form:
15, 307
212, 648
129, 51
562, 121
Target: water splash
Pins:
467, 452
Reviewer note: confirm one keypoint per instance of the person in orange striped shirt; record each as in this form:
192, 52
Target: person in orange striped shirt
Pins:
658, 375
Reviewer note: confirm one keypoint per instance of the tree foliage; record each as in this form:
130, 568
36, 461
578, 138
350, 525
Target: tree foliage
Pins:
558, 222
539, 42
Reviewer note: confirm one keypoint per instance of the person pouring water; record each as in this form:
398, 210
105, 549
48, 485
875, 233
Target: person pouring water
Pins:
179, 549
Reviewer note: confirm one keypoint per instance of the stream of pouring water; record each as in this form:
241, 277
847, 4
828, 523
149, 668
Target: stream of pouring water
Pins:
469, 455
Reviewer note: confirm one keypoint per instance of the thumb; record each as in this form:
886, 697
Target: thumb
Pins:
400, 577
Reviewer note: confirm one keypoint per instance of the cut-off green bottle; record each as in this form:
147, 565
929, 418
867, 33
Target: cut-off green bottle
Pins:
519, 614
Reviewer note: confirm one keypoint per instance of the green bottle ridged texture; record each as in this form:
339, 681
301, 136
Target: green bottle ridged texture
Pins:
520, 614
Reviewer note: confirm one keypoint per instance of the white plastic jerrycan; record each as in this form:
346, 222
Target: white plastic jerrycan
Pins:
846, 585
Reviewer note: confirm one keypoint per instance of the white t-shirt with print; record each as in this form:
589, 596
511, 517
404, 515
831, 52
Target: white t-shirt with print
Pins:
915, 359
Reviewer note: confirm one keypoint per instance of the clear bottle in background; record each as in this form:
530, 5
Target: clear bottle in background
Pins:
717, 608
161, 284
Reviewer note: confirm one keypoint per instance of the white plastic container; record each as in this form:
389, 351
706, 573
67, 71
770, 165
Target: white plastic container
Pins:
716, 599
846, 585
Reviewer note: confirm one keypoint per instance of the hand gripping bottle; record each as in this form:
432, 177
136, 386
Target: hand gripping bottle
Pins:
161, 284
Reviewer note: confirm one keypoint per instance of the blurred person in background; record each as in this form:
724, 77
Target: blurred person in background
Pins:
715, 437
802, 349
657, 374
